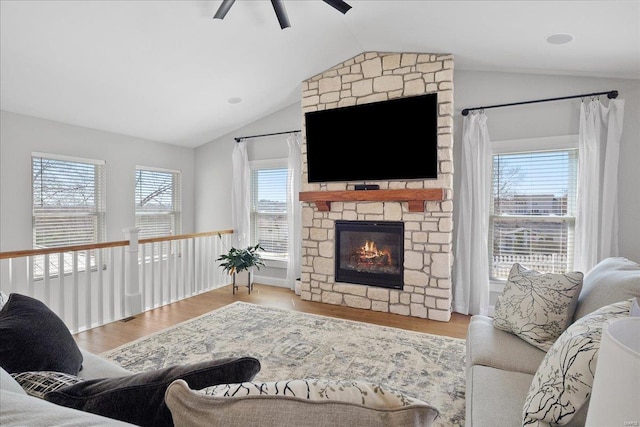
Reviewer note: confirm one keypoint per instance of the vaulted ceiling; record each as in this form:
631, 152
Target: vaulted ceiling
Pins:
165, 70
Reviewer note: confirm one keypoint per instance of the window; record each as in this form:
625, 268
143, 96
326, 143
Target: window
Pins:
269, 208
158, 202
533, 205
68, 207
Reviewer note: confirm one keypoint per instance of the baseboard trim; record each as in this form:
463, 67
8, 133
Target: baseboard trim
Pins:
271, 281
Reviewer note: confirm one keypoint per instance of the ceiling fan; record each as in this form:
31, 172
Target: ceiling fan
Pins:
281, 12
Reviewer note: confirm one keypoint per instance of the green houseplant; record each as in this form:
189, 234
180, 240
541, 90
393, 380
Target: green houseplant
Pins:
238, 260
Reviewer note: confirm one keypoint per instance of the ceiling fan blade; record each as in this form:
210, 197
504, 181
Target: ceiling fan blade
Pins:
339, 5
281, 13
223, 9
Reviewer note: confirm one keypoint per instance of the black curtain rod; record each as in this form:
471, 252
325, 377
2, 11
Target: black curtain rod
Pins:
242, 138
612, 94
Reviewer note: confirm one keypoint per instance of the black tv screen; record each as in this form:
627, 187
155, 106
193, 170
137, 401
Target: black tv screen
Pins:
379, 141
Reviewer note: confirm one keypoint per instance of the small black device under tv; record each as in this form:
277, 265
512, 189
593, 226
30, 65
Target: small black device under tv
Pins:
379, 141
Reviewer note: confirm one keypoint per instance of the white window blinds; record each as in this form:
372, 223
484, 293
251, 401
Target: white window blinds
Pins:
533, 211
269, 210
68, 209
68, 202
158, 203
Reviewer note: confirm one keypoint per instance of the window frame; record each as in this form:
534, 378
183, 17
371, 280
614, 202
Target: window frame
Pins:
99, 212
176, 199
278, 163
526, 145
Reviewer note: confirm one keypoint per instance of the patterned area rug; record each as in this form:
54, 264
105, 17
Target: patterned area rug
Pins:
292, 345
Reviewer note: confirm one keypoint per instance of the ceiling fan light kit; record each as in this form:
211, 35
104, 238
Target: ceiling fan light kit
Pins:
280, 10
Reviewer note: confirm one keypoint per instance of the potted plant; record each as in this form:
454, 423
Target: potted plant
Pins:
238, 260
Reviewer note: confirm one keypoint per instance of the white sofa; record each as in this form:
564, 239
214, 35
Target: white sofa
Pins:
501, 366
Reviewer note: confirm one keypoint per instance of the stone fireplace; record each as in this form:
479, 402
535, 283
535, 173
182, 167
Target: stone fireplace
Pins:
370, 253
424, 208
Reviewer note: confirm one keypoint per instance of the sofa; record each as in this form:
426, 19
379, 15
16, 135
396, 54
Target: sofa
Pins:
504, 371
47, 380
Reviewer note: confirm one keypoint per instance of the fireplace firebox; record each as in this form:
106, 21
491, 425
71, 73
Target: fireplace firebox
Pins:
370, 253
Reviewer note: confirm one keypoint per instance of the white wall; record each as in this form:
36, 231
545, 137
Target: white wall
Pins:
21, 135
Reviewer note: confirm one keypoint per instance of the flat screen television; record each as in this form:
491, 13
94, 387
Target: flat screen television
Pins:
379, 141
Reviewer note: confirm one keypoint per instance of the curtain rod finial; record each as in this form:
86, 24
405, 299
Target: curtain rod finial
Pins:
613, 94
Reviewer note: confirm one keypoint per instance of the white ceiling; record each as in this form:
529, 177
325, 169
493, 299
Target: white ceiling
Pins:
164, 70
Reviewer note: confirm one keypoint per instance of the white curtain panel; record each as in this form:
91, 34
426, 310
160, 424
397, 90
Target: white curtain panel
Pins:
240, 196
294, 210
597, 203
471, 271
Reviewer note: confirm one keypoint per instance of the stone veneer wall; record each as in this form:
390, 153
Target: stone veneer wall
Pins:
371, 77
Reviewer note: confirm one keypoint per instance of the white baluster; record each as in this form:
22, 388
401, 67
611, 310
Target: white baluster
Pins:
100, 299
61, 289
161, 278
87, 293
123, 281
47, 281
112, 283
152, 268
183, 269
143, 276
74, 294
31, 289
170, 256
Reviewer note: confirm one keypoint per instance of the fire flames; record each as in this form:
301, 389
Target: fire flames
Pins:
369, 254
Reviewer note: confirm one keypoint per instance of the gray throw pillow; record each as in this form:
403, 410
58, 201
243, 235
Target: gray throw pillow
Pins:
34, 338
611, 280
139, 398
308, 403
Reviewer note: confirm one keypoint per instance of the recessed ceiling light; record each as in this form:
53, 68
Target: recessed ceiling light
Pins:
560, 38
234, 100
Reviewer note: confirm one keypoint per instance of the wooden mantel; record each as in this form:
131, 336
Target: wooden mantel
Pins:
414, 197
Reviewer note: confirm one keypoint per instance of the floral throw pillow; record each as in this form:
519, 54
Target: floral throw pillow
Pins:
562, 385
537, 307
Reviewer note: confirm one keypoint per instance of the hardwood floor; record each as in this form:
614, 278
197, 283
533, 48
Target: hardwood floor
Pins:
112, 335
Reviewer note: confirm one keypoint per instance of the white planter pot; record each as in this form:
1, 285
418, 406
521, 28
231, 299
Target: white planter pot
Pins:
244, 278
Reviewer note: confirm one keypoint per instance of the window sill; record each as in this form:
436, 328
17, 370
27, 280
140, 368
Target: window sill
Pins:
275, 263
497, 286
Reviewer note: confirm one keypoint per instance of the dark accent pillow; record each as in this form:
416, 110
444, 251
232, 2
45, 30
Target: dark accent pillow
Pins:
139, 398
34, 338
